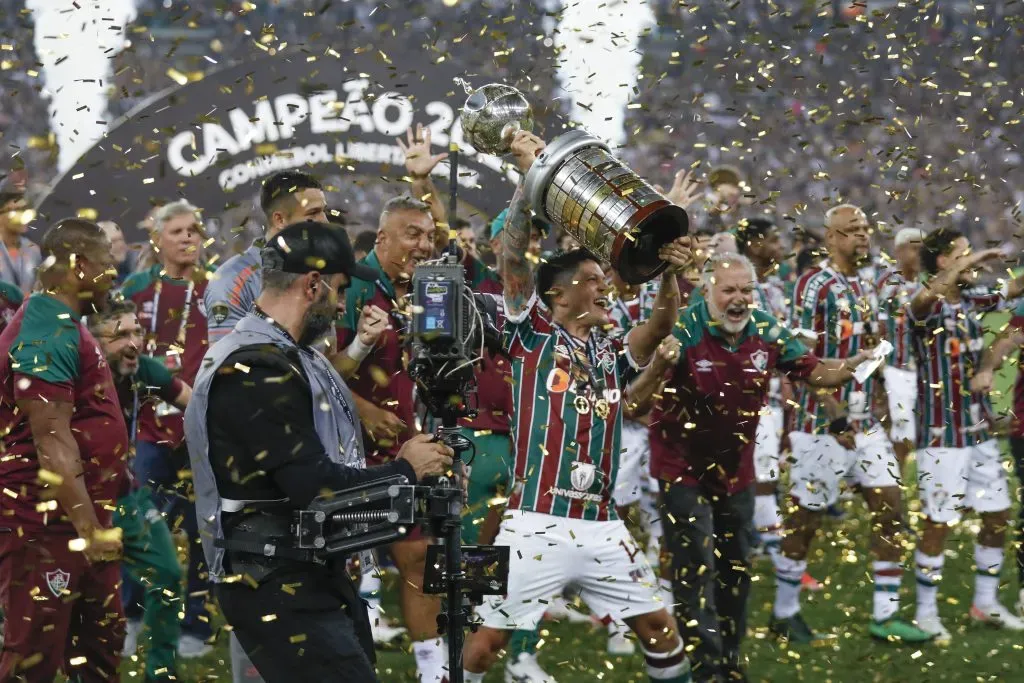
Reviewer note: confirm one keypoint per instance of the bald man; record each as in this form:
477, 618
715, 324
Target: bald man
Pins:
836, 438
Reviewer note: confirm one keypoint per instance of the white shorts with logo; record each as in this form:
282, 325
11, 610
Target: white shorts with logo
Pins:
634, 464
550, 553
767, 444
820, 464
951, 479
901, 386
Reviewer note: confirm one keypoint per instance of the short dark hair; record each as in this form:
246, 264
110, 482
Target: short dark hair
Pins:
67, 237
750, 230
283, 185
935, 244
365, 241
807, 258
460, 223
9, 197
558, 271
114, 310
704, 232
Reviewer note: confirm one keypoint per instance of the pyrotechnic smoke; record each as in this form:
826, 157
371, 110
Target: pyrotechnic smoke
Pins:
76, 41
599, 60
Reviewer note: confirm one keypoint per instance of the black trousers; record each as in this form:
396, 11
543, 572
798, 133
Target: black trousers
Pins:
710, 591
320, 630
1017, 448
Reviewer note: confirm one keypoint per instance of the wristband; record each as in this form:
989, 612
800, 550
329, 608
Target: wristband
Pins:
357, 350
838, 425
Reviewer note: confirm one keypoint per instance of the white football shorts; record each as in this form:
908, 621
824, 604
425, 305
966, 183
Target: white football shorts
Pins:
549, 553
820, 464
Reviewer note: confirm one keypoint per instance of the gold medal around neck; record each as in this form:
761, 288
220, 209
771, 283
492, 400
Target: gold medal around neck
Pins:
581, 404
601, 409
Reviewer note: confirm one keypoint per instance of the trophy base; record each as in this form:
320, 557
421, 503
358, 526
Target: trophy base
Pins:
635, 251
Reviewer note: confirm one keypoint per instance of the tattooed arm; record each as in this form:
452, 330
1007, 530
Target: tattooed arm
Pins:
517, 276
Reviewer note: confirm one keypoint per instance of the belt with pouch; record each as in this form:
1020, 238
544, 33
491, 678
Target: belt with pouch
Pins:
260, 542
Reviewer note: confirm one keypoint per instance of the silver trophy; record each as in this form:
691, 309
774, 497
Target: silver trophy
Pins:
577, 185
492, 115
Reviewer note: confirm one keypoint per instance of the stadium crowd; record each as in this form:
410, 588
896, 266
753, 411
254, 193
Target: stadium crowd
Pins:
848, 173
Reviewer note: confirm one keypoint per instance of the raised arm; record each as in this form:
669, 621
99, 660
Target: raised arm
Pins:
518, 284
420, 163
644, 338
946, 280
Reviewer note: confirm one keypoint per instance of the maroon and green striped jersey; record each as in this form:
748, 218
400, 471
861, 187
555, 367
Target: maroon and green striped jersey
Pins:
948, 342
840, 311
770, 297
567, 444
894, 293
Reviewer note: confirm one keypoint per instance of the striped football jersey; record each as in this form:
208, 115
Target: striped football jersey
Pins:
894, 293
840, 311
566, 451
948, 343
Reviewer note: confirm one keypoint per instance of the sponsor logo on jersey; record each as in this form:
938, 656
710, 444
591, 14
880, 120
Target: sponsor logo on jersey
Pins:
58, 581
704, 365
558, 381
582, 475
220, 312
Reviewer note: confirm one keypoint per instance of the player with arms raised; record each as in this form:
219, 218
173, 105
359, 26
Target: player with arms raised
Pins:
567, 434
959, 463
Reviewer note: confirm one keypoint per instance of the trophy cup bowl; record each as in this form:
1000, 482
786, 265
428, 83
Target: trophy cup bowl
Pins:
579, 186
492, 115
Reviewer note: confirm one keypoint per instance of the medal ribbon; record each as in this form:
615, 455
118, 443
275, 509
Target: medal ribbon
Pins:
185, 313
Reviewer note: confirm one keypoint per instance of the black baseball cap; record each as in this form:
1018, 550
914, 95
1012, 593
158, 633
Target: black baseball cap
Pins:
312, 246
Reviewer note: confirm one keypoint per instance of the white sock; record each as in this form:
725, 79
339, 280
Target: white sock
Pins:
788, 573
431, 659
470, 677
369, 589
887, 589
929, 575
668, 599
768, 520
988, 564
668, 666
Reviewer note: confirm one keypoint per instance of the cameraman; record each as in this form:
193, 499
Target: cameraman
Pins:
270, 427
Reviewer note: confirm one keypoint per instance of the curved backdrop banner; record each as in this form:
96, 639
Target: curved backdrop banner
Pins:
213, 141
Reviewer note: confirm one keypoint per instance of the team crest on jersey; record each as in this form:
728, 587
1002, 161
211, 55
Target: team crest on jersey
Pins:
558, 381
582, 475
201, 305
58, 582
220, 312
759, 359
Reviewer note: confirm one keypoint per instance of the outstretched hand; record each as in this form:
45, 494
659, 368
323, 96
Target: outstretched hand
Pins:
685, 189
419, 162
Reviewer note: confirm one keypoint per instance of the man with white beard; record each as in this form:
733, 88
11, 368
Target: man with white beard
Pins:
702, 451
